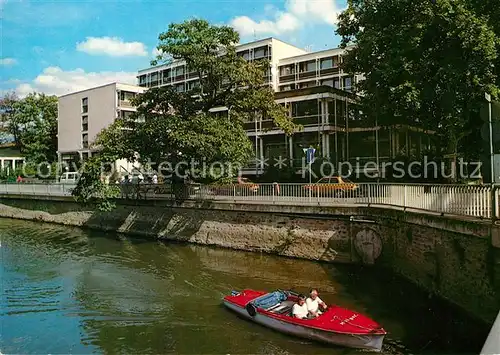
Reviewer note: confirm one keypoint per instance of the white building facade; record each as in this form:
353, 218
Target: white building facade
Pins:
83, 114
290, 68
311, 85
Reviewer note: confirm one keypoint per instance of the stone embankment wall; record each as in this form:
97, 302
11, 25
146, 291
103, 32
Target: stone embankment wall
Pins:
456, 259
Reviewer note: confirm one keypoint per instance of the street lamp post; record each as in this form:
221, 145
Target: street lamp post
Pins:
492, 154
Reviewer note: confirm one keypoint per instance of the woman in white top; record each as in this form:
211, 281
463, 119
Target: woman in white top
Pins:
299, 309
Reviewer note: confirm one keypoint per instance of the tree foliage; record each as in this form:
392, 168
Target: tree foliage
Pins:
425, 62
32, 122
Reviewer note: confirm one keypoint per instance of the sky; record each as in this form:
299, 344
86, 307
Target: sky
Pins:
62, 46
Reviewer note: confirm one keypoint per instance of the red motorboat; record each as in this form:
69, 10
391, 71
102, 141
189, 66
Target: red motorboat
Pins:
336, 325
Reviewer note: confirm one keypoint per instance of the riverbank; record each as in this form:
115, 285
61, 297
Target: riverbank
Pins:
456, 259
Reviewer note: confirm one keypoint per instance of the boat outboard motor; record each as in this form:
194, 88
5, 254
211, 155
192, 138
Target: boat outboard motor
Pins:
251, 309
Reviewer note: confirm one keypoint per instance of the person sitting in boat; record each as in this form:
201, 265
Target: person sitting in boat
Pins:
314, 303
299, 309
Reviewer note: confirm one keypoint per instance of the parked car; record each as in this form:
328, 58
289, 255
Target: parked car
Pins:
238, 186
333, 186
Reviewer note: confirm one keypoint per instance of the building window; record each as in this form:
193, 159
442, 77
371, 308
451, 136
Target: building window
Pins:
311, 66
85, 123
305, 108
347, 83
336, 83
260, 52
85, 105
126, 95
287, 70
328, 82
85, 140
326, 63
308, 84
125, 114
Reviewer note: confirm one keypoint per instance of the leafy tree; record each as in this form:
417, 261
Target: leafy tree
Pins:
32, 122
425, 62
175, 127
7, 103
489, 10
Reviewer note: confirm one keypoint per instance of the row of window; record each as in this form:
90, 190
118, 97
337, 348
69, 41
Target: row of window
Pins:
309, 66
261, 52
85, 123
347, 83
163, 78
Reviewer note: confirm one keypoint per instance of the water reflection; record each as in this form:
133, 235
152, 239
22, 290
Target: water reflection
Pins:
66, 290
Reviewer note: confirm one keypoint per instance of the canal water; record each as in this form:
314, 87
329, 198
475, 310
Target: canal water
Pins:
67, 290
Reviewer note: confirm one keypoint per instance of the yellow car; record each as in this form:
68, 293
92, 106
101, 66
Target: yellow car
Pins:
333, 186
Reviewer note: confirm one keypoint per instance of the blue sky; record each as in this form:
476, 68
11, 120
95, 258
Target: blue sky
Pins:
62, 46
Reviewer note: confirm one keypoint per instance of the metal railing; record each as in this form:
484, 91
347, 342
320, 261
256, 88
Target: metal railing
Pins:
481, 201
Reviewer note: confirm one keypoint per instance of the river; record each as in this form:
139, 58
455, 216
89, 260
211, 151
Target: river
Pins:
68, 290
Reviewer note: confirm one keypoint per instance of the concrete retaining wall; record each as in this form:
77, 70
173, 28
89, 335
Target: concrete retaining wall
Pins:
456, 259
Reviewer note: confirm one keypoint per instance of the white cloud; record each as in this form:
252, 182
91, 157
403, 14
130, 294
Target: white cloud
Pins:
7, 61
55, 81
298, 14
112, 46
284, 22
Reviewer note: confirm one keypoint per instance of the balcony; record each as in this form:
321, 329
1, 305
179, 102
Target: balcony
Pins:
307, 74
287, 78
308, 121
125, 103
329, 71
261, 125
180, 77
361, 124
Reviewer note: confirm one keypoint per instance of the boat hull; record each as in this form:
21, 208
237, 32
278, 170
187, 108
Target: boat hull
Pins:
370, 342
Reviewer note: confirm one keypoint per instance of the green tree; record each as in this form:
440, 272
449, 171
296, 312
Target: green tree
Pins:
32, 122
7, 103
171, 126
425, 62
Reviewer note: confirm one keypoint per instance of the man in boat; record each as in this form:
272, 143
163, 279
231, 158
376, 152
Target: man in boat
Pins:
299, 309
314, 303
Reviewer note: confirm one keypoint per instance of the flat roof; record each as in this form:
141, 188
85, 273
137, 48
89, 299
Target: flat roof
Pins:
98, 87
315, 53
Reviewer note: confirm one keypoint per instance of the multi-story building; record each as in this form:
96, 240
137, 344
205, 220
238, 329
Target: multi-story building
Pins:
312, 86
316, 91
83, 114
